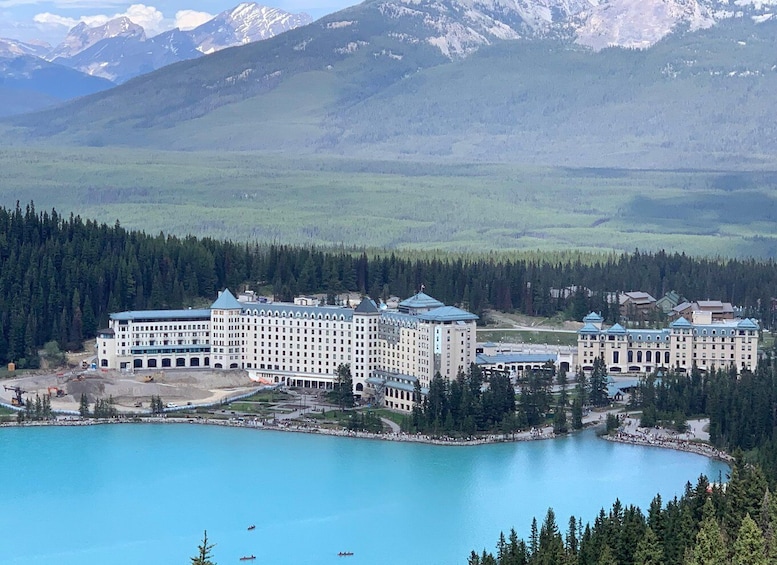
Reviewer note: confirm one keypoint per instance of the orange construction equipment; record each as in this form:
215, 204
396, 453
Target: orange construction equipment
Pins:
56, 391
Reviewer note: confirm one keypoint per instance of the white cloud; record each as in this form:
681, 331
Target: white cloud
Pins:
190, 19
150, 18
52, 20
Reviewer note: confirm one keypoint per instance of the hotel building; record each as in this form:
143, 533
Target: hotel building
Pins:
389, 351
702, 342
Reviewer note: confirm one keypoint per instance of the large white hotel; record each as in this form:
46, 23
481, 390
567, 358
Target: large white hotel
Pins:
702, 342
389, 351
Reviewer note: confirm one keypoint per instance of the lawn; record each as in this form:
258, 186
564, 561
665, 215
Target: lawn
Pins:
527, 336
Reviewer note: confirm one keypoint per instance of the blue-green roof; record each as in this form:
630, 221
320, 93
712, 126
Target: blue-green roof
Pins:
681, 323
447, 314
617, 329
420, 300
156, 315
747, 324
588, 329
226, 301
286, 310
593, 318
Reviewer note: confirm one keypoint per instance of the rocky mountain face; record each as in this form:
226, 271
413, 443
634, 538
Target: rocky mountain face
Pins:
82, 37
246, 23
458, 27
10, 48
433, 77
120, 50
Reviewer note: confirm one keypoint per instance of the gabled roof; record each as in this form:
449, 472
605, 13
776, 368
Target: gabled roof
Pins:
747, 324
421, 300
617, 329
226, 301
637, 296
673, 295
681, 323
588, 329
593, 317
447, 314
682, 306
366, 306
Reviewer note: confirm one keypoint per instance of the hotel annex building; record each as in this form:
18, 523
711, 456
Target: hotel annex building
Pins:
703, 342
389, 351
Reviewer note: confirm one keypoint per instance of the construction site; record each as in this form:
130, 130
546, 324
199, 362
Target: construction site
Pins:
131, 392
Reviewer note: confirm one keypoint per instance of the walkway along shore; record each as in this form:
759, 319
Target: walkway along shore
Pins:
534, 434
644, 439
678, 444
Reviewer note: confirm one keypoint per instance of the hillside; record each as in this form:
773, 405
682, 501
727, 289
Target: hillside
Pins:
354, 84
28, 83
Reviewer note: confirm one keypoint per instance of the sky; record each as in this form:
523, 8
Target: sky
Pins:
50, 20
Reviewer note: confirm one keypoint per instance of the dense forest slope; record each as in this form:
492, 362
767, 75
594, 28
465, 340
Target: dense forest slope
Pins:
352, 84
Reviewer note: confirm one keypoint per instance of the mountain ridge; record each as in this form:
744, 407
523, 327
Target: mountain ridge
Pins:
360, 83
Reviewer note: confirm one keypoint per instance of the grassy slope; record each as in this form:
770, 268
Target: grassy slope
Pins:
249, 196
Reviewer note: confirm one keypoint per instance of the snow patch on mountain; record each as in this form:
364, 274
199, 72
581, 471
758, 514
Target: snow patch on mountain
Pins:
246, 23
350, 47
81, 37
338, 25
14, 48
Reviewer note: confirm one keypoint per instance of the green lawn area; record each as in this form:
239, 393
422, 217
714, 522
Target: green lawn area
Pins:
527, 336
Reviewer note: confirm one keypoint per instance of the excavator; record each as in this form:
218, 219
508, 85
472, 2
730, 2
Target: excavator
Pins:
17, 400
56, 391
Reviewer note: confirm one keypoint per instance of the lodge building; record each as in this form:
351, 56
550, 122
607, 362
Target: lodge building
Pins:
390, 351
703, 342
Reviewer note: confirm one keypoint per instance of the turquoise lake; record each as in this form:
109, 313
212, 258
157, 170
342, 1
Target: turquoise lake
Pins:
143, 494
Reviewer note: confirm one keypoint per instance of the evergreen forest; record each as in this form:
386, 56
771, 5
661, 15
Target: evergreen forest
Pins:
708, 525
61, 276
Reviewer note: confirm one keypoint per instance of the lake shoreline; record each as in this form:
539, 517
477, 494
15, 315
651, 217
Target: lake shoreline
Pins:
535, 434
677, 444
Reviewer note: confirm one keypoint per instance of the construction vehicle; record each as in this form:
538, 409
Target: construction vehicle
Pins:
56, 391
17, 400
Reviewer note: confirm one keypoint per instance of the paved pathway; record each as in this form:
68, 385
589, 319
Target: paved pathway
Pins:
395, 428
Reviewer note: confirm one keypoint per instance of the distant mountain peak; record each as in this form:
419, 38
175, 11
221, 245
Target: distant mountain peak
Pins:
82, 36
14, 48
245, 23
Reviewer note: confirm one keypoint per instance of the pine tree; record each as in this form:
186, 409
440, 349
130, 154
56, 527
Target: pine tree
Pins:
577, 414
83, 407
204, 552
551, 547
709, 549
649, 550
749, 548
606, 557
560, 425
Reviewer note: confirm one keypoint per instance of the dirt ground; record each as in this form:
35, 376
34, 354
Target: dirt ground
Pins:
199, 386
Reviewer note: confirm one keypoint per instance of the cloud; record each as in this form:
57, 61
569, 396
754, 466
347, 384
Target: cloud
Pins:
149, 17
190, 19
